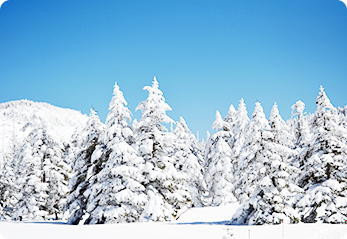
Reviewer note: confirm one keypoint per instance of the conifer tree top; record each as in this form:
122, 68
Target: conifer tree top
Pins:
92, 113
218, 123
182, 126
298, 109
154, 106
117, 107
275, 117
242, 110
118, 94
230, 118
323, 101
258, 111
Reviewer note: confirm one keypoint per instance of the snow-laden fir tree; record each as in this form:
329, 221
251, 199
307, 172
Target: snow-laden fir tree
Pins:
301, 126
33, 191
281, 132
117, 194
275, 192
165, 185
42, 177
237, 142
77, 201
187, 156
73, 146
301, 131
323, 173
219, 169
250, 159
238, 127
117, 121
226, 123
8, 190
229, 124
8, 187
198, 148
231, 116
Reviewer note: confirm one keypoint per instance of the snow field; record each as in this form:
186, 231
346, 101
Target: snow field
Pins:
196, 223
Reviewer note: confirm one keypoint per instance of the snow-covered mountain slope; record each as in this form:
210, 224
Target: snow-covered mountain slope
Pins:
14, 115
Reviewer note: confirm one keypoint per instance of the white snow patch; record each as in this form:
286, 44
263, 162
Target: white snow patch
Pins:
199, 223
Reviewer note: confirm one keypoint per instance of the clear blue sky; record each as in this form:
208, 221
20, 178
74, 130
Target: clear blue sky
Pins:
206, 55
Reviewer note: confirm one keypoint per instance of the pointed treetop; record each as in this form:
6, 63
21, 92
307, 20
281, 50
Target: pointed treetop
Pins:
258, 117
242, 103
115, 87
274, 111
258, 110
182, 121
241, 118
321, 88
231, 110
117, 94
323, 101
93, 116
154, 88
218, 123
275, 119
322, 93
181, 126
242, 111
298, 109
155, 83
154, 106
117, 107
230, 118
92, 112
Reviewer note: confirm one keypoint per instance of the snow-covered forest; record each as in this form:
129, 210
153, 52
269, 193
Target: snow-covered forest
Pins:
58, 164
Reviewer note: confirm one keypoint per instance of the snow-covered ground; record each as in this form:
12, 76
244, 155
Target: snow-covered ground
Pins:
199, 223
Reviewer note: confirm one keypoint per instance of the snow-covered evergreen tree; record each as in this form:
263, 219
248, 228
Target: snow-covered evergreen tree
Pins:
280, 130
117, 194
219, 169
73, 146
275, 192
81, 162
187, 156
33, 191
165, 185
8, 190
42, 177
250, 159
323, 173
117, 121
301, 131
237, 141
231, 116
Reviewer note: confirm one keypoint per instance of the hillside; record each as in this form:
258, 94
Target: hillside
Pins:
14, 115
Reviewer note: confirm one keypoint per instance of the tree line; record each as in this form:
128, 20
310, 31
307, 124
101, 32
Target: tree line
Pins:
138, 170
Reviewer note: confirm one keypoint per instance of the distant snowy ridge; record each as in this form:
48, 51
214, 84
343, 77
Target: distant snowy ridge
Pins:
23, 110
14, 115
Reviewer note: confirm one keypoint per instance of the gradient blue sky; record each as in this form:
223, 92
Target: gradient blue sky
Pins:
206, 55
